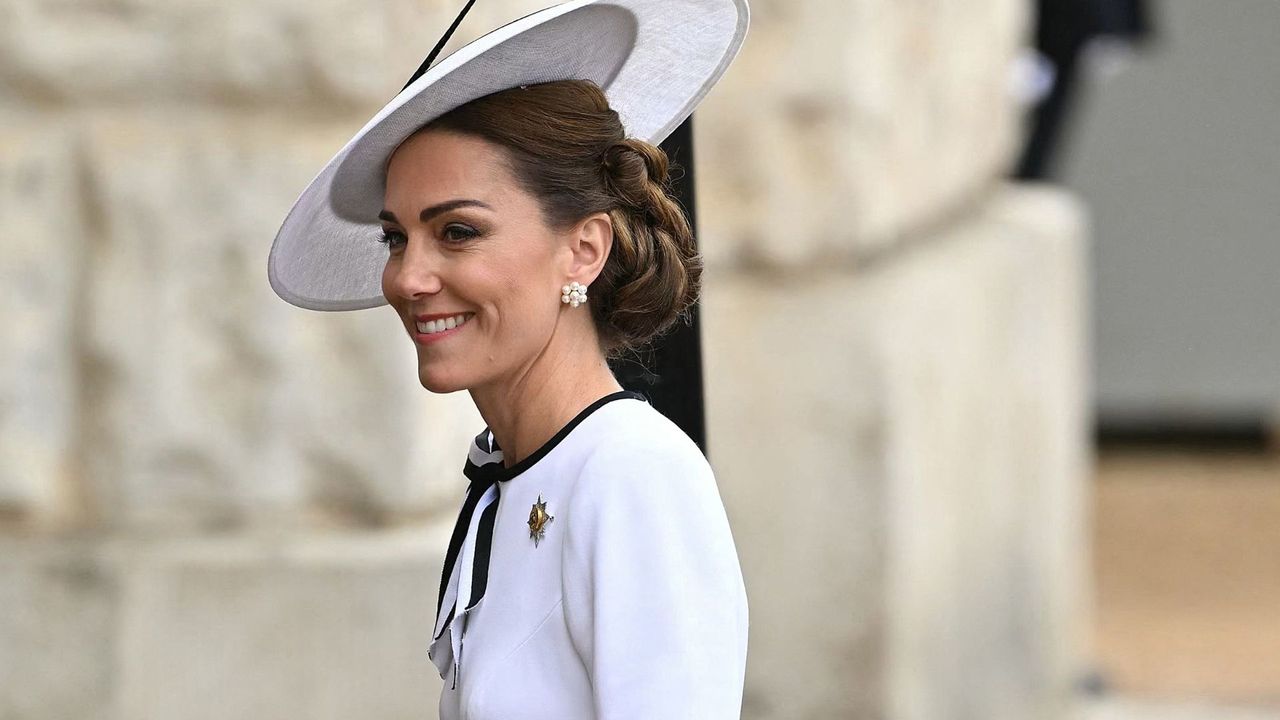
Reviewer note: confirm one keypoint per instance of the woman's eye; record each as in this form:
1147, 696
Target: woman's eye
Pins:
459, 233
392, 239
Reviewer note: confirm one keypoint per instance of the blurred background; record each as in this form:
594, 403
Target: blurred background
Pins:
989, 327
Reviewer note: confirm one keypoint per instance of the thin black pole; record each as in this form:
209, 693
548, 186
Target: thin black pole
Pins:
670, 372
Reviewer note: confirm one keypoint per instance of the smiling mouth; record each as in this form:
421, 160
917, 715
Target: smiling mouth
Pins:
431, 327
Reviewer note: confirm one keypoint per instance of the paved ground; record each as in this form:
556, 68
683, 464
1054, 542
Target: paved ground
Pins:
1187, 570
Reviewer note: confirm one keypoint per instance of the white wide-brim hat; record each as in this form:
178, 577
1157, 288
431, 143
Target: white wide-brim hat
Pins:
654, 59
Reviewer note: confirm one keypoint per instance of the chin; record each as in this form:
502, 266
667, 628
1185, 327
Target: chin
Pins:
440, 382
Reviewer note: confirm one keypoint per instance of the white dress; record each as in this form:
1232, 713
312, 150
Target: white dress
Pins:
629, 605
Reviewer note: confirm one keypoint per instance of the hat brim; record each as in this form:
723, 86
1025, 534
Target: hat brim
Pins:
654, 59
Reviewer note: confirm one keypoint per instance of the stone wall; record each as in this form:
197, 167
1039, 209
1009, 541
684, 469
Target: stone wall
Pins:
215, 505
901, 452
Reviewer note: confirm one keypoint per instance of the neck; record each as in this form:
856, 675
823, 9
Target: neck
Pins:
524, 411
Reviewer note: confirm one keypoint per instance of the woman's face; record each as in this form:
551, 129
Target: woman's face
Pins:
472, 270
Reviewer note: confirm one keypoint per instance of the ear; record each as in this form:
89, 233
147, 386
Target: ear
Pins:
589, 244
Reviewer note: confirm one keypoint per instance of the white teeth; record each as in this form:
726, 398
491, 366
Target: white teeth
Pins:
435, 326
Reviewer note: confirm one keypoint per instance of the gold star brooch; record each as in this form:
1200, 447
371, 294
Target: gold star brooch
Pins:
538, 519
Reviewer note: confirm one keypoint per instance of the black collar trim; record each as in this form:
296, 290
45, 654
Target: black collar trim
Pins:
495, 470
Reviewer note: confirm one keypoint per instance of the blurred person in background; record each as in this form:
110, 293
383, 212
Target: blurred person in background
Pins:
1071, 35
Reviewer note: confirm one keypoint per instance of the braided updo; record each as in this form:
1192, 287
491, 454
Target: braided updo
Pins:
568, 149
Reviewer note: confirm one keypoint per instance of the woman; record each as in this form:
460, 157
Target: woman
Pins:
591, 572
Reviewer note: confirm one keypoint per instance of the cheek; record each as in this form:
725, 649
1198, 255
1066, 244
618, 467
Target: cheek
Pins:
526, 310
519, 308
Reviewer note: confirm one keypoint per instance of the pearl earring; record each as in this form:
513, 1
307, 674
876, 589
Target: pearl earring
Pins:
573, 294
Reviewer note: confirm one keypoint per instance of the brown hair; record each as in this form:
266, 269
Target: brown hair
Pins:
568, 148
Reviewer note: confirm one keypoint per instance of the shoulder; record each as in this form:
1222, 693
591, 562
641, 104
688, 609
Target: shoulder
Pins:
634, 427
642, 472
632, 441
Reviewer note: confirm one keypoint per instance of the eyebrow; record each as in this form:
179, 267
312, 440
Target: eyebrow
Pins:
430, 212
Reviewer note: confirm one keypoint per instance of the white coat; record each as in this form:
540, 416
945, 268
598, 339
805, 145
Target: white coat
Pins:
629, 606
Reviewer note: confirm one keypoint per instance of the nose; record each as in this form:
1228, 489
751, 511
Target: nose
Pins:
414, 273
